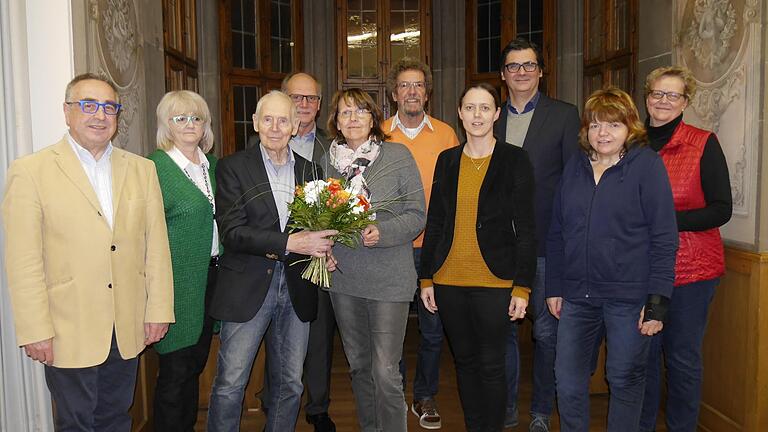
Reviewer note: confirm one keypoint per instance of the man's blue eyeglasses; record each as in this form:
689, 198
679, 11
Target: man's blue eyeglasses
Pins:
91, 107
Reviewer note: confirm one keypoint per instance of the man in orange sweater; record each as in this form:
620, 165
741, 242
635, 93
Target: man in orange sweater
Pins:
410, 84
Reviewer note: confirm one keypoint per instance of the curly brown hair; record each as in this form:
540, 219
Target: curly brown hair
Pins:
406, 64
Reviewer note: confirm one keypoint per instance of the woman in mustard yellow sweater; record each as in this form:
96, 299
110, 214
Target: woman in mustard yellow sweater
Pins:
479, 254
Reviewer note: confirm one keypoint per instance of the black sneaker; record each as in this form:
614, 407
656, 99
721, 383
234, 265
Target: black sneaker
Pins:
322, 422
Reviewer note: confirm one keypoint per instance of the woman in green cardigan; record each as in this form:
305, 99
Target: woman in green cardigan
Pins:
187, 180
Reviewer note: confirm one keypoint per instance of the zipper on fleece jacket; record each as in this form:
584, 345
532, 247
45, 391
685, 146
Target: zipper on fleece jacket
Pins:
589, 215
589, 225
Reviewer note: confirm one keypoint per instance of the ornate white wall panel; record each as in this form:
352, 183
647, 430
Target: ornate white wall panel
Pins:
110, 43
719, 40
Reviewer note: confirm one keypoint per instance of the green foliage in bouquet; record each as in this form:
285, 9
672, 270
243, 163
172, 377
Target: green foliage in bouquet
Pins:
329, 204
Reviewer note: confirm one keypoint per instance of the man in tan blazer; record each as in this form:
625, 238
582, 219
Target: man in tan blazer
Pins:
88, 263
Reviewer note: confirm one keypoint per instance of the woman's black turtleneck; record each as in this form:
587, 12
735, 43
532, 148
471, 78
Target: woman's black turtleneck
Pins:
714, 180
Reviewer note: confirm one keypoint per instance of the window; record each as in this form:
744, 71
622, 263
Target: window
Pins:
372, 35
491, 24
258, 48
610, 39
180, 37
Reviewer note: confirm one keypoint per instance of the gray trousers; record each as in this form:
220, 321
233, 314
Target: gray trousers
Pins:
372, 333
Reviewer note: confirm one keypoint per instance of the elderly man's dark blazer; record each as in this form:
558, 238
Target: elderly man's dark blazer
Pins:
551, 140
249, 228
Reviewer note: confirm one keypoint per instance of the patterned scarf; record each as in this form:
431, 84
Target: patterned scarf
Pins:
353, 163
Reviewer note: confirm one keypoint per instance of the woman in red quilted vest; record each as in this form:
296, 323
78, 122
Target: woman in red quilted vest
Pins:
701, 188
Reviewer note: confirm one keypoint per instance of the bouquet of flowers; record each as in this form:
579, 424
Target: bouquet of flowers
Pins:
329, 204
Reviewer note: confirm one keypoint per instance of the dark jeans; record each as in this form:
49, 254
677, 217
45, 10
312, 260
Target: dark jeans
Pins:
430, 345
545, 339
476, 323
177, 392
581, 324
96, 398
681, 341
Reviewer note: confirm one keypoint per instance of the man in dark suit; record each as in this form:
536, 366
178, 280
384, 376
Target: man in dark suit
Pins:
257, 287
311, 143
548, 129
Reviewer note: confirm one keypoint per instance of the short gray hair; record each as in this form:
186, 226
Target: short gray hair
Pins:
280, 95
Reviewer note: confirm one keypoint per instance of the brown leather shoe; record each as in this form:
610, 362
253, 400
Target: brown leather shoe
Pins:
426, 411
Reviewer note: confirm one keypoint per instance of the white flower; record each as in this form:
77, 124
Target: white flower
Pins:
312, 189
356, 185
357, 205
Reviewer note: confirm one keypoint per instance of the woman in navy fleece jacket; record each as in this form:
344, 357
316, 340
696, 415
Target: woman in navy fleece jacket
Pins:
610, 260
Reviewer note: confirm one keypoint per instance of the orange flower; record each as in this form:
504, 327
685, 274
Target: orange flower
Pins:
364, 202
299, 192
334, 187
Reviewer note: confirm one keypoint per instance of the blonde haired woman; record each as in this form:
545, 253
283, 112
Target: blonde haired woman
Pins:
187, 180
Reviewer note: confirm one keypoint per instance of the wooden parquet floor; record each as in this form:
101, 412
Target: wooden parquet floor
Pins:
342, 409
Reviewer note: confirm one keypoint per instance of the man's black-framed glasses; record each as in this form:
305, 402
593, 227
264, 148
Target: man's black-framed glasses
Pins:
91, 106
528, 66
297, 98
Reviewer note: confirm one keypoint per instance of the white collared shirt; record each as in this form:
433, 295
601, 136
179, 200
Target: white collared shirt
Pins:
99, 173
282, 182
304, 145
201, 178
411, 133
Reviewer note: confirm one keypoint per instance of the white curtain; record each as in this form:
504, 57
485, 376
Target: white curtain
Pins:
25, 403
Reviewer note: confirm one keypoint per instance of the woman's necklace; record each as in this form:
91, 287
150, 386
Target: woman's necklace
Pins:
207, 191
478, 167
483, 159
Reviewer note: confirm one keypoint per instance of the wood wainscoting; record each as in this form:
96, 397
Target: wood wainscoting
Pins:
735, 390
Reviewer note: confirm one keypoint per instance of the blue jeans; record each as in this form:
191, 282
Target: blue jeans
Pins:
680, 341
581, 321
286, 348
545, 338
372, 333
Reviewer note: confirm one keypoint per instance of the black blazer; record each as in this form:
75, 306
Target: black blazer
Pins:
505, 223
249, 229
552, 139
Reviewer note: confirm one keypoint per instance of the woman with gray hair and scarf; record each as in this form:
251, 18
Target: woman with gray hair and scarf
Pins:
373, 287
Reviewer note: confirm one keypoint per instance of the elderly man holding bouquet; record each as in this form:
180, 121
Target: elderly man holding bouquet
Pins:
257, 286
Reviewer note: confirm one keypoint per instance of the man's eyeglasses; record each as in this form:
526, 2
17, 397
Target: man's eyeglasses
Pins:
360, 112
297, 98
90, 106
671, 96
527, 66
183, 120
405, 85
